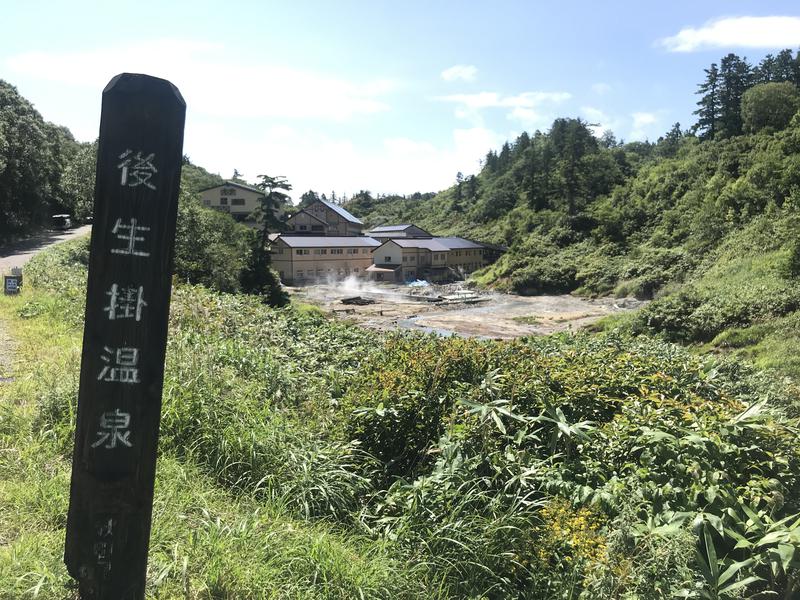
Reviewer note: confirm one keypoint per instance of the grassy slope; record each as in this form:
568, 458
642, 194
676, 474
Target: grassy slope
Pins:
281, 432
206, 543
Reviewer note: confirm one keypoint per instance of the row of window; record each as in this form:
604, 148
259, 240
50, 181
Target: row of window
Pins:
234, 201
321, 272
319, 251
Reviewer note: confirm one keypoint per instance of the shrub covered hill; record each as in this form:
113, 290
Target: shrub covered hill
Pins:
707, 221
302, 457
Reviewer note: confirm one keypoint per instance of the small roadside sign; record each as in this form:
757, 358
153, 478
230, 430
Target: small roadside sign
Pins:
11, 284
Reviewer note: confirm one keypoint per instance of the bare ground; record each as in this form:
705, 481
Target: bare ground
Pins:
485, 315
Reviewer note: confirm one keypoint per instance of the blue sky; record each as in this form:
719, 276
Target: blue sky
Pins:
385, 96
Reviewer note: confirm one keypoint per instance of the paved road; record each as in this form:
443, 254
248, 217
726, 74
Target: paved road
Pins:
17, 254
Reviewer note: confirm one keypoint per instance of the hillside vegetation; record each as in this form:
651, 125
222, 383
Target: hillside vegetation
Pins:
301, 458
706, 221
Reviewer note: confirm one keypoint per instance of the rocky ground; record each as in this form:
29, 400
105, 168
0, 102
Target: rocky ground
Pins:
463, 312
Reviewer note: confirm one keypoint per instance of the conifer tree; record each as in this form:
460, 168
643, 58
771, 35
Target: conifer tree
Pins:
708, 112
735, 77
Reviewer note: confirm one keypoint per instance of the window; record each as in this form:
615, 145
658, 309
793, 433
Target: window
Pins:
237, 201
413, 259
317, 228
355, 269
405, 259
336, 251
298, 251
303, 227
299, 274
387, 259
223, 201
207, 202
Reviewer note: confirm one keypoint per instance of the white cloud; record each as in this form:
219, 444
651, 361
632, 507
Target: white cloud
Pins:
737, 32
213, 85
460, 73
531, 109
313, 160
642, 123
599, 121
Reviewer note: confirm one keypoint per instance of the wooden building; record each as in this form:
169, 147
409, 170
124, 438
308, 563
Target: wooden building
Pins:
324, 218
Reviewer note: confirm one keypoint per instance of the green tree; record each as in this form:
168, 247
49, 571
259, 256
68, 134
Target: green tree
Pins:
308, 199
769, 106
736, 77
668, 144
258, 277
79, 180
210, 247
33, 154
273, 203
708, 111
571, 140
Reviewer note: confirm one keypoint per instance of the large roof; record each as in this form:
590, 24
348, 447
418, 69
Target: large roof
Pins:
383, 228
234, 184
426, 243
437, 244
342, 212
457, 243
328, 241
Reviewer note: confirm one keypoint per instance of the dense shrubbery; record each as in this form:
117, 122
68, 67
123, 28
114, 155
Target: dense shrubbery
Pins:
573, 466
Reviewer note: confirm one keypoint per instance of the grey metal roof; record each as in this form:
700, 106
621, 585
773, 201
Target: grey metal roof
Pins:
457, 243
327, 241
391, 228
342, 212
427, 244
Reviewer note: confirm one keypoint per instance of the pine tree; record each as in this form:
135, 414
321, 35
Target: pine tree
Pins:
735, 77
708, 112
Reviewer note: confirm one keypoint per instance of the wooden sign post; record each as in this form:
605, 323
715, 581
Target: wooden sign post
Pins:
127, 310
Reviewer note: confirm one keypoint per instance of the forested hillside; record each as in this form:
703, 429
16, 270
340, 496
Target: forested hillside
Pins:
706, 219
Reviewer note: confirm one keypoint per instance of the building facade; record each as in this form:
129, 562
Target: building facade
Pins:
309, 259
240, 201
334, 219
433, 259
